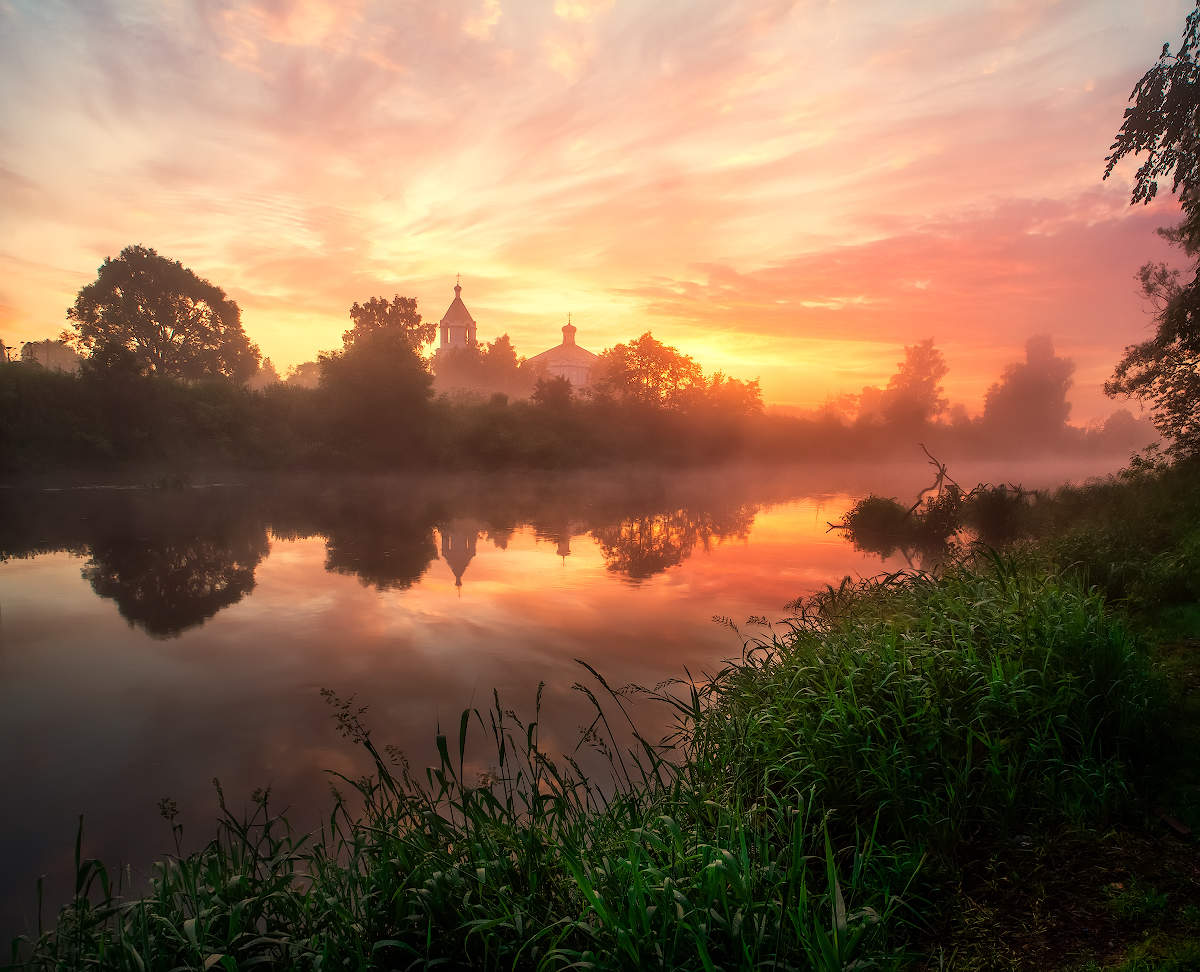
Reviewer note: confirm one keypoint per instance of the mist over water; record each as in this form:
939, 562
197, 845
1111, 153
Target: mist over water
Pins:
151, 640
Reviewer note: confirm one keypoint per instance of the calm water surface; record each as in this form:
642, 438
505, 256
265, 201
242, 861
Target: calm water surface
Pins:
152, 640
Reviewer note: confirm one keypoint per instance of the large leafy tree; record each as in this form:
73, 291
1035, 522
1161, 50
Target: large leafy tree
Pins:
154, 314
377, 388
1028, 405
397, 317
914, 395
648, 372
1163, 124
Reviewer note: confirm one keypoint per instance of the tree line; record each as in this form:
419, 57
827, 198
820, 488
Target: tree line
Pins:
170, 372
169, 375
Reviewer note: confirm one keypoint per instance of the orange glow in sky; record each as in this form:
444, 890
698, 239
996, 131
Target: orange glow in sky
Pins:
785, 190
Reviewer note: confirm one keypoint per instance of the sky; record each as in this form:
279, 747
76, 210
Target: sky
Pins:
788, 191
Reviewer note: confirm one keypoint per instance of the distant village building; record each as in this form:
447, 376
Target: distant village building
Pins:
51, 355
567, 360
457, 325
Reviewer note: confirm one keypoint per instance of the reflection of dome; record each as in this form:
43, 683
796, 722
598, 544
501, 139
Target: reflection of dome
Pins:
458, 547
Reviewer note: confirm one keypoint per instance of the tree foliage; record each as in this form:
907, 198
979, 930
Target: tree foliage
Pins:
553, 393
397, 317
494, 367
377, 388
1030, 399
1164, 371
1163, 123
648, 372
155, 315
307, 374
914, 396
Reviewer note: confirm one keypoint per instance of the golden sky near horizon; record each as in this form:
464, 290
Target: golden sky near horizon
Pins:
785, 190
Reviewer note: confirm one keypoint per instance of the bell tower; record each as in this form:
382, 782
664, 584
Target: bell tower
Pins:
457, 326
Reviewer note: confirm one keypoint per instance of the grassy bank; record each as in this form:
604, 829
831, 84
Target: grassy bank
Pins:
823, 802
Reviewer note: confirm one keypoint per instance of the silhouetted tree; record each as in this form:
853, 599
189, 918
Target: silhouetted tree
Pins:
158, 315
1164, 124
732, 396
377, 389
267, 375
398, 317
1164, 371
492, 368
307, 374
1028, 405
913, 397
647, 372
553, 393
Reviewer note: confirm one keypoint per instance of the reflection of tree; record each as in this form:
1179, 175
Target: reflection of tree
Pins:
166, 584
645, 545
383, 549
923, 554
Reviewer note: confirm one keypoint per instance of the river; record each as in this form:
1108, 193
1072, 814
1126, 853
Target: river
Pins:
153, 639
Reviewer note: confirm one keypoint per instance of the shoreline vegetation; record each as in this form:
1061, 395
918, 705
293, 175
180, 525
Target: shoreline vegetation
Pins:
990, 765
102, 424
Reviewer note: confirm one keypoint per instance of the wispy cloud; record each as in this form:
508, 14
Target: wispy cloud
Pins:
762, 183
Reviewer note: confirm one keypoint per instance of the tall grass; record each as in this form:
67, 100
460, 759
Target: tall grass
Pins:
800, 815
1136, 537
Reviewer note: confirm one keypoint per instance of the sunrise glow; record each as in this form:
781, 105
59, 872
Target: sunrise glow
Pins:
788, 191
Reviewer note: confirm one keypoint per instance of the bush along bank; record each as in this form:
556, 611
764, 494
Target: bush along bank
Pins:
809, 811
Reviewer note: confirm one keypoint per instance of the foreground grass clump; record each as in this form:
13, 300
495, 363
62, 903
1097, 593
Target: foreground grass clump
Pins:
994, 696
805, 813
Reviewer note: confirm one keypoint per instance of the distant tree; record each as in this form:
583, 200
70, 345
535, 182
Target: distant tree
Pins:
307, 374
267, 375
553, 393
377, 388
398, 317
648, 372
728, 397
914, 393
1163, 123
494, 367
913, 396
1029, 404
50, 354
168, 320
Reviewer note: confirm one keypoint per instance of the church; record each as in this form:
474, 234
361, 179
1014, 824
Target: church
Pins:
568, 360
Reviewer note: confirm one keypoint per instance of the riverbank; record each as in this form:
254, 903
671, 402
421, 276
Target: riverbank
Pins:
838, 795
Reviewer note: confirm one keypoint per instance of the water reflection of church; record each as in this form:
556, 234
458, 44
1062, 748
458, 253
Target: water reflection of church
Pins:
459, 538
459, 542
